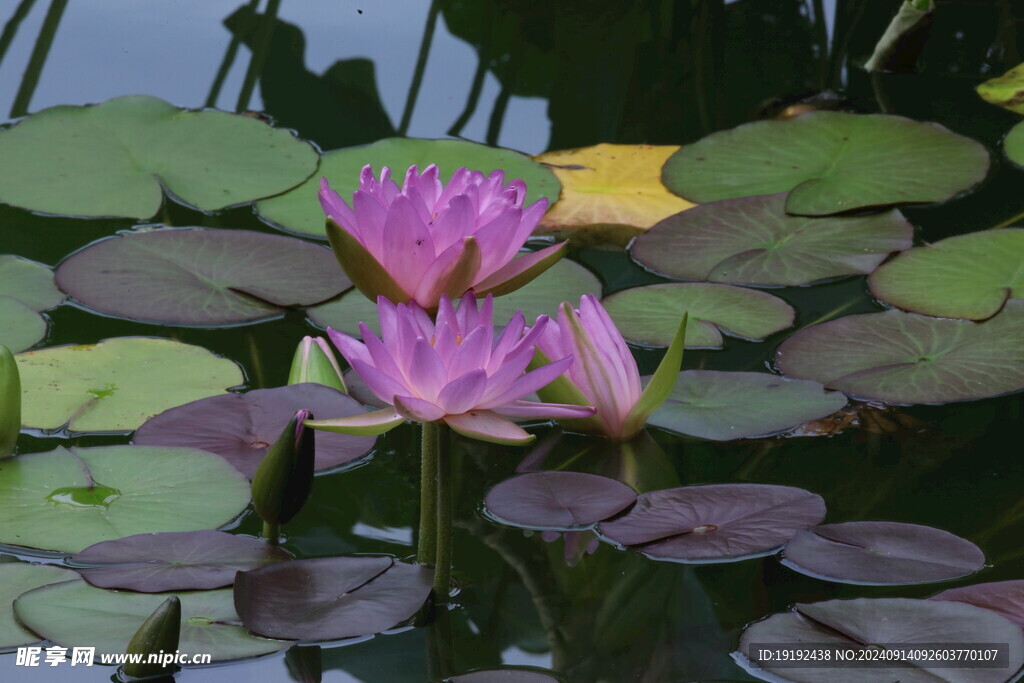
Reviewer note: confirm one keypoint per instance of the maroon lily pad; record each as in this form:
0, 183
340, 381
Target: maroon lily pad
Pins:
507, 674
197, 276
173, 561
715, 522
557, 500
881, 553
330, 598
241, 427
853, 625
1003, 597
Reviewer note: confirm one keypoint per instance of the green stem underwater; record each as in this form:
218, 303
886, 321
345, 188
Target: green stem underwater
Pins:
271, 532
443, 555
426, 549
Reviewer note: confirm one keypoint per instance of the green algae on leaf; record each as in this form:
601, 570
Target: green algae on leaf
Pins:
829, 162
116, 158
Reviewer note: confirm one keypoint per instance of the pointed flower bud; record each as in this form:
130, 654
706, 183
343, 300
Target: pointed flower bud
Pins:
285, 476
315, 362
158, 635
10, 402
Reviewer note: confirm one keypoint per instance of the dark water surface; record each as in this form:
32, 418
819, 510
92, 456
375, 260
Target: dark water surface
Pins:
557, 75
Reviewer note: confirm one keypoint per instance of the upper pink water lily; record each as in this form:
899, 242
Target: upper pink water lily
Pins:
455, 370
430, 238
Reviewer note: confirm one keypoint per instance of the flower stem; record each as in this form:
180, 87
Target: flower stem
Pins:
443, 568
271, 532
426, 550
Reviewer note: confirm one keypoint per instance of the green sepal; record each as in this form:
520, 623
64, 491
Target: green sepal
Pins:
364, 424
661, 384
365, 272
160, 632
562, 390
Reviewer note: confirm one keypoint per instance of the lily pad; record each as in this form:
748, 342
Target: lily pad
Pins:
241, 428
507, 674
298, 211
650, 315
609, 192
116, 159
967, 276
330, 598
882, 553
197, 276
173, 561
20, 326
111, 386
26, 287
70, 498
1013, 144
17, 578
715, 522
829, 162
557, 500
865, 623
1006, 91
722, 406
564, 281
75, 614
906, 358
1003, 597
753, 241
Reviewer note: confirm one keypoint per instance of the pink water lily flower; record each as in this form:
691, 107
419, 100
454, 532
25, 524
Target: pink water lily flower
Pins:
428, 238
455, 370
604, 373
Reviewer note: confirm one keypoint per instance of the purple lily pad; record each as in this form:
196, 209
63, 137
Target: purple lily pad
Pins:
507, 674
1003, 597
173, 561
882, 553
241, 427
715, 522
852, 625
330, 598
557, 500
197, 276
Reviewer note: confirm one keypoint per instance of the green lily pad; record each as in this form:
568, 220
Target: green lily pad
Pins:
75, 614
70, 498
902, 357
20, 326
753, 241
1013, 144
15, 579
116, 158
1005, 91
967, 276
564, 281
29, 282
651, 314
118, 384
196, 276
722, 406
829, 162
298, 211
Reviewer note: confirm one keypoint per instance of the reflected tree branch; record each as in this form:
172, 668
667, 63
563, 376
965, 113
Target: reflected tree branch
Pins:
421, 65
38, 59
226, 63
259, 54
11, 27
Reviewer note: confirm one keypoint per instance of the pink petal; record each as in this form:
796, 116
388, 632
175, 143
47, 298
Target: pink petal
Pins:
408, 248
437, 276
516, 267
378, 354
430, 186
364, 424
462, 393
454, 222
382, 386
336, 207
370, 215
529, 383
417, 409
496, 239
472, 354
556, 411
426, 373
509, 337
351, 349
488, 426
457, 185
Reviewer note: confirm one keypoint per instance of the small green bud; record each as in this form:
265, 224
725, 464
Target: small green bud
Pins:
10, 402
285, 476
157, 636
315, 362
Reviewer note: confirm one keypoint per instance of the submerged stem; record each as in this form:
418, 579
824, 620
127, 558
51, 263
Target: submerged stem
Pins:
271, 532
443, 558
426, 550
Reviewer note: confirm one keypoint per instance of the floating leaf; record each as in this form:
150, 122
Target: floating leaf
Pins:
1006, 91
298, 210
715, 522
753, 241
651, 314
29, 282
907, 358
1013, 144
242, 427
609, 192
75, 614
330, 598
198, 276
17, 578
865, 623
967, 276
1003, 597
20, 326
111, 386
557, 500
564, 281
882, 553
722, 406
507, 674
115, 159
829, 162
173, 561
70, 498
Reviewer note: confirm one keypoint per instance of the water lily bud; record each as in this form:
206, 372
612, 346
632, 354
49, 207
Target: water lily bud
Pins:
285, 476
10, 402
900, 46
315, 362
158, 636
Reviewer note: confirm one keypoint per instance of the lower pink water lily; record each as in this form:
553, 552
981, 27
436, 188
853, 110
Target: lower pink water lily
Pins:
456, 370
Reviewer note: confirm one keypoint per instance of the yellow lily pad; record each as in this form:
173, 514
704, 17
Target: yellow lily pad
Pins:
610, 193
1006, 91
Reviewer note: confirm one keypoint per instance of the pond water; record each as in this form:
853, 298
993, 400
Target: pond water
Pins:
559, 75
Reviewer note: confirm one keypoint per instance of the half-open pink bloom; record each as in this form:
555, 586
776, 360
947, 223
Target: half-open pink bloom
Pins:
455, 370
430, 238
